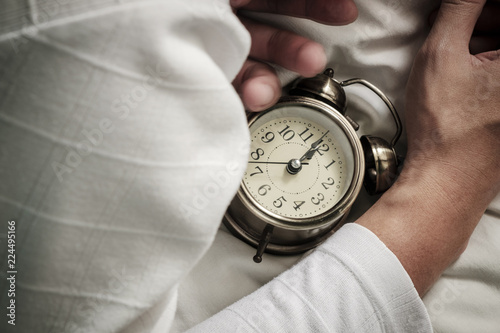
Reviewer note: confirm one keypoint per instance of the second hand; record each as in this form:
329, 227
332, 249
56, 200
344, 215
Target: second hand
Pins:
274, 162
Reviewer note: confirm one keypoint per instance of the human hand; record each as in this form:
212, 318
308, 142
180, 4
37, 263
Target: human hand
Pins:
486, 35
257, 82
453, 126
452, 169
453, 96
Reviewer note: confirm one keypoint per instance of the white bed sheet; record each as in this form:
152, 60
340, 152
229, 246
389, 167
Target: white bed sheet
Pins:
379, 47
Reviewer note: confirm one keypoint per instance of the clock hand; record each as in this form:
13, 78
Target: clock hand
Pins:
295, 165
314, 147
274, 162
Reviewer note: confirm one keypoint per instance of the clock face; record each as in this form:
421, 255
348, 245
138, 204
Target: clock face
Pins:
300, 164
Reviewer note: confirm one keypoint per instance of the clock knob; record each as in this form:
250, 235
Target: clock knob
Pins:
323, 87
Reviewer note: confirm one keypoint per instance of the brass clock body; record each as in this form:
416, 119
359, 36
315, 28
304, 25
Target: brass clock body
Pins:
306, 168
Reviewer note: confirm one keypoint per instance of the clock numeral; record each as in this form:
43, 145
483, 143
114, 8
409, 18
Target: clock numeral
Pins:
317, 200
257, 154
329, 182
304, 133
327, 166
264, 189
286, 133
298, 204
257, 173
268, 137
323, 149
278, 203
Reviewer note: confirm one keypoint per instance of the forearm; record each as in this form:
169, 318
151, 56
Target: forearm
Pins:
427, 217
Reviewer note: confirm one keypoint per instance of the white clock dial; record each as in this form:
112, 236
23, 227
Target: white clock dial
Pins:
319, 147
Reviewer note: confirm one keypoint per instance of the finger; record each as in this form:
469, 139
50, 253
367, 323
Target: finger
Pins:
490, 56
331, 12
285, 49
487, 23
258, 86
455, 23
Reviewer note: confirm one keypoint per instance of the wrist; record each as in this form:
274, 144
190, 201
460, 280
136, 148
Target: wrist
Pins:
427, 217
469, 175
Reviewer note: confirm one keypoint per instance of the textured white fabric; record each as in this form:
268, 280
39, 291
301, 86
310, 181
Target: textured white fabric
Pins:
122, 142
351, 283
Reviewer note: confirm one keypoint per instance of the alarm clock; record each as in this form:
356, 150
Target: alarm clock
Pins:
306, 167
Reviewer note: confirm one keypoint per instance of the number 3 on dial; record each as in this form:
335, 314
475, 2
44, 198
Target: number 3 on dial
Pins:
318, 200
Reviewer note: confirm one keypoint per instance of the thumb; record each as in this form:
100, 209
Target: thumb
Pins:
455, 22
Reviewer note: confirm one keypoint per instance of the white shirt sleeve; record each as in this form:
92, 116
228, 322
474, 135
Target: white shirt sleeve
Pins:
351, 283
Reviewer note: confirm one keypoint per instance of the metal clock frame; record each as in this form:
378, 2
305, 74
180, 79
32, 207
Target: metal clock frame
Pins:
306, 233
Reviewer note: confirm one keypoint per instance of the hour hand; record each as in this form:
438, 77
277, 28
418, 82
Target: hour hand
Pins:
310, 153
295, 165
314, 147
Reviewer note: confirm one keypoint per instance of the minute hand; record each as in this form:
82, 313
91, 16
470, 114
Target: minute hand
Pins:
314, 147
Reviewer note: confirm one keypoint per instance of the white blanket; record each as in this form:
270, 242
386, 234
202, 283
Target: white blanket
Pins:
117, 157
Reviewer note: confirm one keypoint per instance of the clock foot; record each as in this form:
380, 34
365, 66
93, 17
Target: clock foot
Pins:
264, 241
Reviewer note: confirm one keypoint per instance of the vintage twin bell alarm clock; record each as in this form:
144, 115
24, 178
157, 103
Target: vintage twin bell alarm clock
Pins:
306, 167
